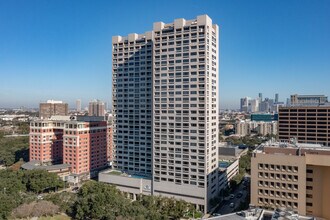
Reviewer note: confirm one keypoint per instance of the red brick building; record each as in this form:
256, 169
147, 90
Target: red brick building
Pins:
110, 143
82, 142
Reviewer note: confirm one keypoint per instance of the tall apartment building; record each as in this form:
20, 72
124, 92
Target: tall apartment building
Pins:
305, 100
132, 103
293, 176
185, 134
96, 108
51, 108
81, 142
307, 124
78, 105
165, 108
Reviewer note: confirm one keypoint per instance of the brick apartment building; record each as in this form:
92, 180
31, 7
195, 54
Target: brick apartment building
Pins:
82, 142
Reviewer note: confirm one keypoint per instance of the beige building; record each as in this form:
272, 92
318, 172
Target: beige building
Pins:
247, 127
51, 108
165, 108
96, 108
307, 124
265, 128
243, 128
294, 176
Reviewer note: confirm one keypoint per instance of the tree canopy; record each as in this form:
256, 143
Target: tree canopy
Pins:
17, 187
103, 201
12, 149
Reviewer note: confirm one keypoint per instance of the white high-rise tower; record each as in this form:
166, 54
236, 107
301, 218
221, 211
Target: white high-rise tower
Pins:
165, 111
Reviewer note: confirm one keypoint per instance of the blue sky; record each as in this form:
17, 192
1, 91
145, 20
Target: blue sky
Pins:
62, 49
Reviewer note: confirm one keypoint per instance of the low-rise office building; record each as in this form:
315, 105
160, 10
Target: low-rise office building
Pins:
289, 175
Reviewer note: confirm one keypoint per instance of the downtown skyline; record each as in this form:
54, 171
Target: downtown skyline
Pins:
62, 50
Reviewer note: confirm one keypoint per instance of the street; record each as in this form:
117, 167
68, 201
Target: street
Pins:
225, 207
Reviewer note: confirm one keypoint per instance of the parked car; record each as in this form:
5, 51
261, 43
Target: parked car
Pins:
232, 196
231, 205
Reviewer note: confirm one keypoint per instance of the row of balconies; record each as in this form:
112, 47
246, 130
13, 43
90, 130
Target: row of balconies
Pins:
278, 194
278, 176
282, 168
277, 203
278, 185
173, 37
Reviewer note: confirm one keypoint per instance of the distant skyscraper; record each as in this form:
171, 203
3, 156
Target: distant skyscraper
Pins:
245, 104
52, 107
78, 105
96, 108
276, 98
260, 97
253, 105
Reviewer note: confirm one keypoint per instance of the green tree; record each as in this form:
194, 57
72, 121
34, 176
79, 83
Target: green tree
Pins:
12, 149
40, 180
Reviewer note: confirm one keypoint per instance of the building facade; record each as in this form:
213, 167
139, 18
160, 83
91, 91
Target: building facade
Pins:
96, 108
247, 127
293, 176
264, 117
307, 124
46, 141
110, 143
81, 142
132, 103
267, 128
51, 108
186, 110
244, 104
306, 100
85, 146
165, 108
78, 105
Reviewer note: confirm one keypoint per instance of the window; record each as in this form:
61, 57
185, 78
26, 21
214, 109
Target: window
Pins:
309, 204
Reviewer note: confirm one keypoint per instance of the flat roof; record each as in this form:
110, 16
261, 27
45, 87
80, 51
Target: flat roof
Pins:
120, 173
36, 165
286, 148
